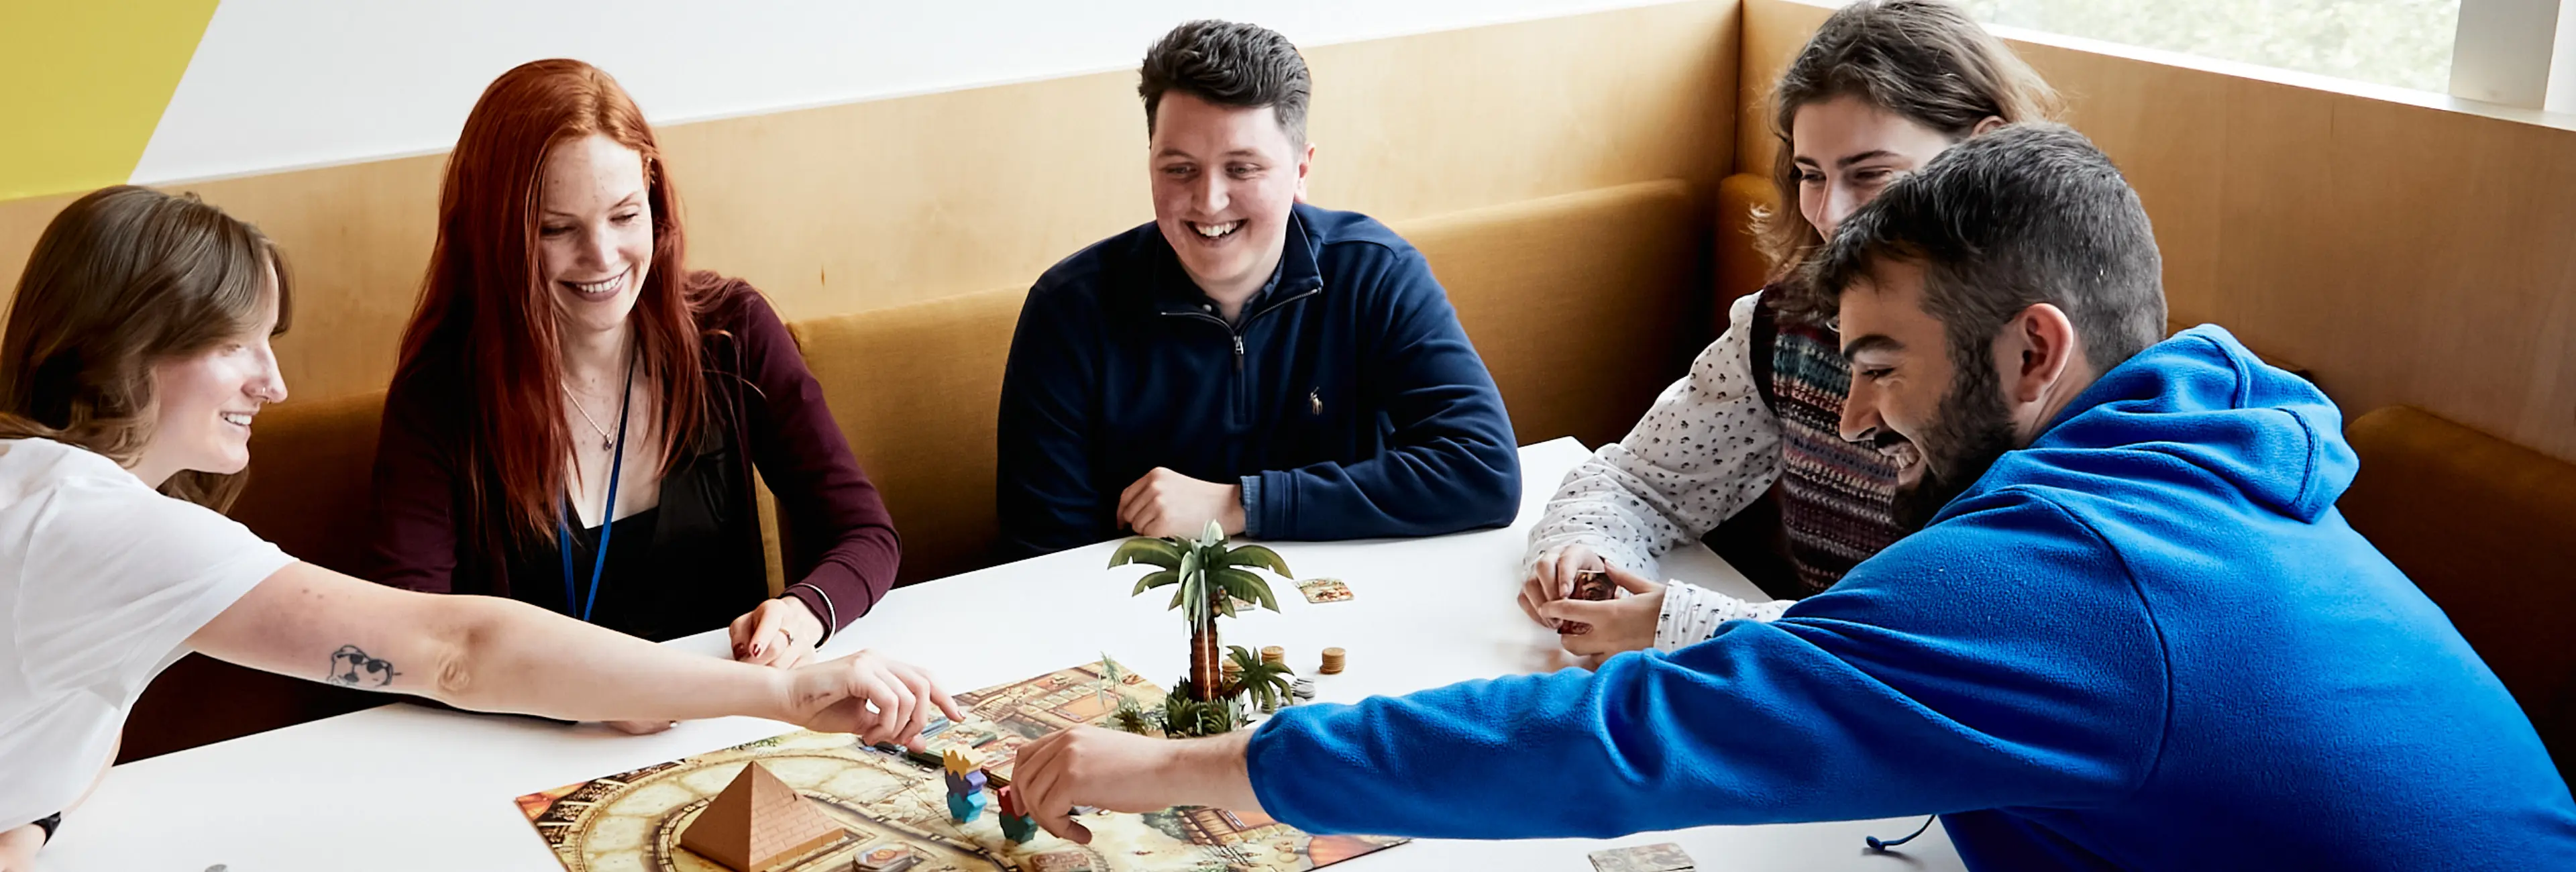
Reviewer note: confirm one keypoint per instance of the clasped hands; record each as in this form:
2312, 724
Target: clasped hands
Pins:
1167, 503
1625, 623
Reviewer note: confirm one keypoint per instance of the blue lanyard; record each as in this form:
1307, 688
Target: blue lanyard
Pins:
607, 516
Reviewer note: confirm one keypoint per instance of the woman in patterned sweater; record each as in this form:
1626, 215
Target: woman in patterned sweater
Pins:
1882, 87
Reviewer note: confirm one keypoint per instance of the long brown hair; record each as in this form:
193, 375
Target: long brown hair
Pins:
485, 313
1925, 60
124, 278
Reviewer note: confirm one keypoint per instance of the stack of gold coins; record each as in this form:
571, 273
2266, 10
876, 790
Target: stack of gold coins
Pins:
1233, 671
1332, 662
1274, 655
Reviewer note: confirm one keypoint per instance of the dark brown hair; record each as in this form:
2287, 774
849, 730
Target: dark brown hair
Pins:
122, 279
485, 310
1228, 64
2028, 214
1925, 60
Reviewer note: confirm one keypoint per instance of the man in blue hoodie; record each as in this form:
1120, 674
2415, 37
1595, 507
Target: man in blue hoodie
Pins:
1286, 371
2134, 632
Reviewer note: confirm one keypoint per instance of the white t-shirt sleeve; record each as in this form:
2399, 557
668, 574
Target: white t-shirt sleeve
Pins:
116, 577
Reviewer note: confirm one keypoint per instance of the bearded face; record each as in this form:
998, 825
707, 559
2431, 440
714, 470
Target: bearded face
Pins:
1969, 430
1940, 416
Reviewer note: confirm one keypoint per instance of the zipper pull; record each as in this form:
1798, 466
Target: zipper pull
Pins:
1238, 352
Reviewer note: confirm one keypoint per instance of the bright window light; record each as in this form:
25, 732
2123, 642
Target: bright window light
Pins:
2404, 43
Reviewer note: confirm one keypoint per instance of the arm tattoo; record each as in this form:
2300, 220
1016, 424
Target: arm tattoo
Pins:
351, 667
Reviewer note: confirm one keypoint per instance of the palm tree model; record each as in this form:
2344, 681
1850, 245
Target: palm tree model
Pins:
1211, 578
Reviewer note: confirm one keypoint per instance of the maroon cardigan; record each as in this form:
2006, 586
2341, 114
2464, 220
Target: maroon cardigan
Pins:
838, 543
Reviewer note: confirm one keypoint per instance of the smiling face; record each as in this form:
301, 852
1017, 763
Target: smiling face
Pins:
1846, 150
1941, 425
1225, 180
203, 402
594, 232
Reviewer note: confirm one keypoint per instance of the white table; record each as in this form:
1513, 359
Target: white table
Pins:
405, 787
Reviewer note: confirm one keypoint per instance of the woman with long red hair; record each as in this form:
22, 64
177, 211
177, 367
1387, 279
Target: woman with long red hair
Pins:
577, 417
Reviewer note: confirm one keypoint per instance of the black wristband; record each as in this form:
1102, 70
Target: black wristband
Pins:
48, 823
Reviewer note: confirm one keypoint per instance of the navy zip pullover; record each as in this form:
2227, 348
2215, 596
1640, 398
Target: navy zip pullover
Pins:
1347, 401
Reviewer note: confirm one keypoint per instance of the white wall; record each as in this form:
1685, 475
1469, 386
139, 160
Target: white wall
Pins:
279, 84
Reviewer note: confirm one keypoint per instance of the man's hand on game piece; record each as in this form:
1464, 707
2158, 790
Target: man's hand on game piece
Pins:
1123, 772
781, 632
1167, 503
1623, 624
1552, 578
880, 699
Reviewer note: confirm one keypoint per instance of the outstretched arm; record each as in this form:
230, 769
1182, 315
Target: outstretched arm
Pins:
1932, 681
1122, 772
492, 654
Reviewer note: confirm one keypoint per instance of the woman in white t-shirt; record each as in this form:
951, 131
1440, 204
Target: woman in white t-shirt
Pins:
135, 357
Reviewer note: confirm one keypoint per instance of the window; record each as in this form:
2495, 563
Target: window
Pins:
2405, 43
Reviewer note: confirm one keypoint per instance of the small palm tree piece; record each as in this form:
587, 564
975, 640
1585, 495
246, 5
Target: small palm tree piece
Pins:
1130, 719
1208, 578
1184, 715
1264, 682
1110, 675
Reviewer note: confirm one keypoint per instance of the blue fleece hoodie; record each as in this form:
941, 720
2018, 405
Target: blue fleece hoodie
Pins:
2147, 640
1347, 401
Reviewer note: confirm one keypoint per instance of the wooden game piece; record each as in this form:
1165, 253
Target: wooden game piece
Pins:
1589, 584
1017, 824
1274, 654
966, 782
1332, 662
758, 822
964, 808
962, 774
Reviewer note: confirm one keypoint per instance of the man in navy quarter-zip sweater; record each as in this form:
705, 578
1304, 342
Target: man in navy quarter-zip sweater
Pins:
1287, 371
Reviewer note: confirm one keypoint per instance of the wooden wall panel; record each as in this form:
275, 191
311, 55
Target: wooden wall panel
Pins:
874, 204
2404, 254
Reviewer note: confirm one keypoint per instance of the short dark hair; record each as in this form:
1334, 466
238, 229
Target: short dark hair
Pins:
2027, 214
1229, 64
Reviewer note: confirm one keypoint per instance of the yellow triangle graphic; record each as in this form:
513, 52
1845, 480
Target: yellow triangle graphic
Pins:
86, 85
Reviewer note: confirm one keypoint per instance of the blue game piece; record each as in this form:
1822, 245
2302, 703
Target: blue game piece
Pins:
965, 808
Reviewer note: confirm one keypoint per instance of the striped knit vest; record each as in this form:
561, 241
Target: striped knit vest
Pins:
1834, 496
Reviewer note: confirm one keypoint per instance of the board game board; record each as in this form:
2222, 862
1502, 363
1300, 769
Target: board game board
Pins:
633, 820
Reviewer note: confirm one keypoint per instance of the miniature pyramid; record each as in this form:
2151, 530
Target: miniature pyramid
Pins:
757, 822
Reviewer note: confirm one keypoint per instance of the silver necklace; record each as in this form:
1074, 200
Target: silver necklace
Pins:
607, 441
